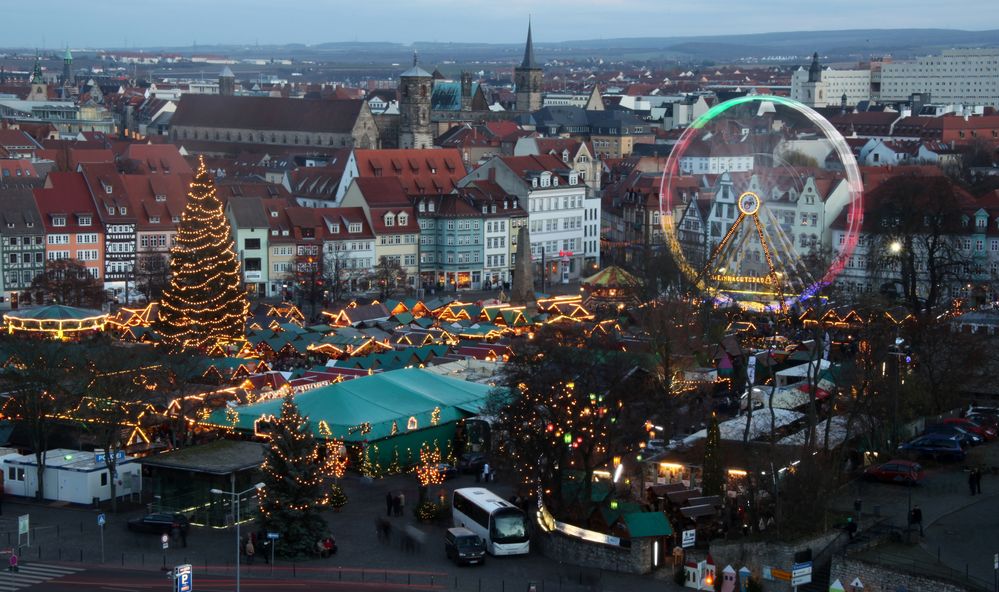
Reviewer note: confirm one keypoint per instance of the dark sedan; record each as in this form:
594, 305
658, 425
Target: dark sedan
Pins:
935, 446
472, 462
159, 523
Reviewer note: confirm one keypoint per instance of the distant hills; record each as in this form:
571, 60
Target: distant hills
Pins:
793, 46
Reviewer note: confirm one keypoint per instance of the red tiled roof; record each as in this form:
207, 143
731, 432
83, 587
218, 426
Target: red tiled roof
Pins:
108, 191
158, 158
523, 165
17, 171
67, 194
420, 172
343, 217
383, 191
157, 196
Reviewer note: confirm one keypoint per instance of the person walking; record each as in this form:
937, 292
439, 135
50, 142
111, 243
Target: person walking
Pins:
389, 502
249, 552
485, 472
916, 518
402, 503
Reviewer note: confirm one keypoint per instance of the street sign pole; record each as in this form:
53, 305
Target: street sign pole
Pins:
272, 537
100, 525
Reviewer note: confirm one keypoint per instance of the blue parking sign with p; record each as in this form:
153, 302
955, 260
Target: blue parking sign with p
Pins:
184, 577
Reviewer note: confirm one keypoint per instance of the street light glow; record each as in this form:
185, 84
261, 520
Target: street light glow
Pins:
895, 247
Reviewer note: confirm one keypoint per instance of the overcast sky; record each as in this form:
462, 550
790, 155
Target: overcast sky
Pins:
139, 23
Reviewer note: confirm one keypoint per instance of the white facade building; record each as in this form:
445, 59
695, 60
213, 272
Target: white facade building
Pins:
966, 76
855, 84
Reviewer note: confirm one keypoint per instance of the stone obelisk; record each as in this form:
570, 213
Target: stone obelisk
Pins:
522, 291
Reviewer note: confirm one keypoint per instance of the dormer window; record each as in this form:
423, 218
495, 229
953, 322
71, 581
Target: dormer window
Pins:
335, 228
534, 182
58, 221
274, 214
111, 210
390, 219
123, 210
84, 220
175, 219
107, 188
403, 219
154, 219
573, 178
354, 227
555, 181
485, 209
160, 197
430, 206
423, 207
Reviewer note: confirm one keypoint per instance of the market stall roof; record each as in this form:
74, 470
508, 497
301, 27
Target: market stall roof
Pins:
221, 457
55, 312
647, 524
611, 276
366, 408
760, 425
837, 431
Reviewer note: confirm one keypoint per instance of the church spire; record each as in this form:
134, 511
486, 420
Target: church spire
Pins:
529, 50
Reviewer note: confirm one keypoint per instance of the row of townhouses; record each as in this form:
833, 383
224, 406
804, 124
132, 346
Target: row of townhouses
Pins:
444, 226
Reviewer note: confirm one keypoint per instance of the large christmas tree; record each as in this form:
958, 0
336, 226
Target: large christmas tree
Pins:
205, 303
296, 485
712, 476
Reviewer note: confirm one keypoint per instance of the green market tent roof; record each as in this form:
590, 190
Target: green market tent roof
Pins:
379, 400
647, 524
54, 312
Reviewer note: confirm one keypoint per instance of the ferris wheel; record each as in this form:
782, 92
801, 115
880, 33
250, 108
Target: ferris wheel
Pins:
761, 203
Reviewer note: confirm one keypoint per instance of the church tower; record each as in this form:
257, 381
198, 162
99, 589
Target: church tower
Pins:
39, 90
67, 69
527, 79
813, 91
227, 82
414, 107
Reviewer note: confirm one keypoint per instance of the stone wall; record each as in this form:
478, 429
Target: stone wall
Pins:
881, 578
759, 554
634, 559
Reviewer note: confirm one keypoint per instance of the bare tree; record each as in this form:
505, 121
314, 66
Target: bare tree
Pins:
41, 383
67, 281
390, 276
917, 227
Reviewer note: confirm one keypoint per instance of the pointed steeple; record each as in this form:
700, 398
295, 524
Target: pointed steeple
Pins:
36, 72
529, 50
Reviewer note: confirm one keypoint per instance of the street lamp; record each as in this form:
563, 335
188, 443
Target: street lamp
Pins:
895, 247
235, 506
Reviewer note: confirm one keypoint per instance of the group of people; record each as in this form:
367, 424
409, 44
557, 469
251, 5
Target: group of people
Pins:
975, 481
254, 543
395, 503
326, 546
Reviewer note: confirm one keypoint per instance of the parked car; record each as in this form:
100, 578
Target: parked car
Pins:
447, 470
965, 437
982, 410
159, 523
987, 432
896, 471
935, 446
991, 421
464, 547
472, 462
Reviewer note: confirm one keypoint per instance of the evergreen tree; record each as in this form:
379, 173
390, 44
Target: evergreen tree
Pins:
712, 479
295, 486
205, 303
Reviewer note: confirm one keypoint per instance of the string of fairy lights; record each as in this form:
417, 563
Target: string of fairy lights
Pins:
205, 304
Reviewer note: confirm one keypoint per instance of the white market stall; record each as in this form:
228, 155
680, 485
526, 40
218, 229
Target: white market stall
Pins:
71, 476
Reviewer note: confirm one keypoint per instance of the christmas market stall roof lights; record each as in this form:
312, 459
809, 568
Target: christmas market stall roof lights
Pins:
372, 408
57, 320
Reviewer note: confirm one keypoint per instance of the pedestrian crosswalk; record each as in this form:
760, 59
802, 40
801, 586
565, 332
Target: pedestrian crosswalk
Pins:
29, 574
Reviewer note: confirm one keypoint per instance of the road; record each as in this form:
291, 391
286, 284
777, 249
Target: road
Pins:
125, 580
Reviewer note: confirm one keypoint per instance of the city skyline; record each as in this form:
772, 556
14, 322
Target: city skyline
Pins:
322, 21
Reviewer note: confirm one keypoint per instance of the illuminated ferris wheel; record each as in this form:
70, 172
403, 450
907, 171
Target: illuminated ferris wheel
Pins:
760, 202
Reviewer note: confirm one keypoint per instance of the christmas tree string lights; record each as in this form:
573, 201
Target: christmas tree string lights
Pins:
205, 304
